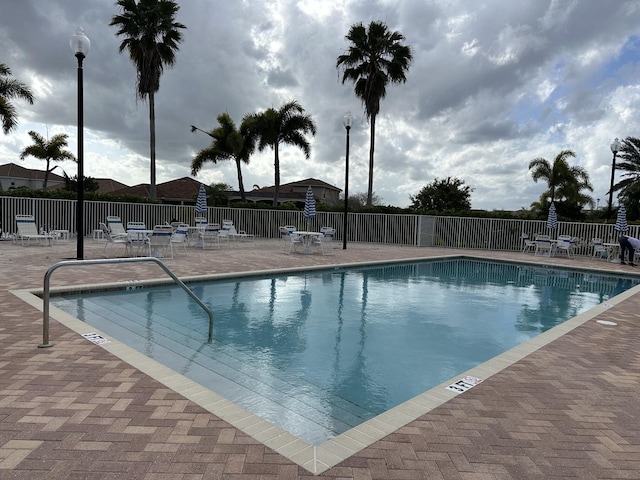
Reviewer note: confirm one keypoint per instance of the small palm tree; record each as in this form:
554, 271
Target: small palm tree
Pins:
287, 125
564, 182
151, 36
48, 150
375, 58
10, 89
229, 143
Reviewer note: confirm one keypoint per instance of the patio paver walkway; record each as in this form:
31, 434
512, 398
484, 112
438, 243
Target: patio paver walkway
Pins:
74, 411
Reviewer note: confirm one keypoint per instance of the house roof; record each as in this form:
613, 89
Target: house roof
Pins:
106, 185
293, 187
13, 170
184, 188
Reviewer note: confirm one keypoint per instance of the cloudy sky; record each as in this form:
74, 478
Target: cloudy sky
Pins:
494, 84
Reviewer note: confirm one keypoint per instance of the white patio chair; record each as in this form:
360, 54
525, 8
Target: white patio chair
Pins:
294, 242
318, 241
544, 246
529, 245
210, 236
328, 234
28, 230
112, 240
599, 250
180, 236
115, 226
159, 242
227, 230
564, 245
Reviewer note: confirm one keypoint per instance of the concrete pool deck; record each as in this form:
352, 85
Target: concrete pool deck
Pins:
569, 409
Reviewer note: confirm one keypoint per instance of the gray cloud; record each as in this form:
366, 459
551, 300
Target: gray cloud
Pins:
493, 85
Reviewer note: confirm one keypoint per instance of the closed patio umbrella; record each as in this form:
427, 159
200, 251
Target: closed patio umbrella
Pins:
201, 202
621, 220
309, 206
552, 220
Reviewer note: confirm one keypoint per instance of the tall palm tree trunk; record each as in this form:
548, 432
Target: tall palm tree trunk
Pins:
46, 176
152, 144
243, 197
371, 150
276, 165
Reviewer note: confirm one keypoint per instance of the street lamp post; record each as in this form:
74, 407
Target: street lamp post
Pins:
347, 126
616, 146
80, 46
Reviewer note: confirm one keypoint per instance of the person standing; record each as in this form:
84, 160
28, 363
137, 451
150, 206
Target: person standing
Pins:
629, 244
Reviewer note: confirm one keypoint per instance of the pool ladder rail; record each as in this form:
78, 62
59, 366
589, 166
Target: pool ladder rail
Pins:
47, 280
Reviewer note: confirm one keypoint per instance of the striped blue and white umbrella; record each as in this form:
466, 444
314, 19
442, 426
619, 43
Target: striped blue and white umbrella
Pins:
621, 220
552, 220
309, 205
201, 202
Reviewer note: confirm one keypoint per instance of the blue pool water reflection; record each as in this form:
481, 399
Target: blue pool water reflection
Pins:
317, 353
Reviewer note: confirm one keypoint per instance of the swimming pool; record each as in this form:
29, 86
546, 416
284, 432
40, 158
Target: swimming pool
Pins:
321, 352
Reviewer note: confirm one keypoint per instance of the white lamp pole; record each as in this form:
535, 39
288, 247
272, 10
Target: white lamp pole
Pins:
80, 46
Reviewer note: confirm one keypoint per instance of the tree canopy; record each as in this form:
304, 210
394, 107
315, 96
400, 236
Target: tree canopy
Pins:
443, 196
375, 57
228, 143
48, 150
288, 125
151, 36
628, 187
566, 185
10, 89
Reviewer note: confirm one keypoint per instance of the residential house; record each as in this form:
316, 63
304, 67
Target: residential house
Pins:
182, 191
16, 176
294, 192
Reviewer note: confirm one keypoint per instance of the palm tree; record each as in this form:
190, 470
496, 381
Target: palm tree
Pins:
229, 143
287, 125
9, 89
565, 182
375, 57
629, 163
49, 150
151, 36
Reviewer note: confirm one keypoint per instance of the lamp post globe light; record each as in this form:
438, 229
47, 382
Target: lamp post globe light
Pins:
80, 46
347, 125
616, 146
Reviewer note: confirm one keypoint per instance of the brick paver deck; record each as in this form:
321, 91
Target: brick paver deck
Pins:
75, 411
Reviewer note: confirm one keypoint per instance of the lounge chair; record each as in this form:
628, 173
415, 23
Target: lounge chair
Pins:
28, 230
229, 231
159, 242
115, 227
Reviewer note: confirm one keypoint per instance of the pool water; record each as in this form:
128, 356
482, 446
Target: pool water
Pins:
317, 353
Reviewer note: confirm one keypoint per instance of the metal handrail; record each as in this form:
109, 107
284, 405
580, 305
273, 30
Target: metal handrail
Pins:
47, 277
